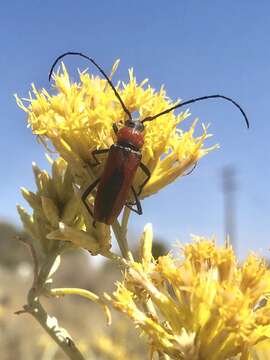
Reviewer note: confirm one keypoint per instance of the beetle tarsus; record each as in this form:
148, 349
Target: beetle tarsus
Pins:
137, 203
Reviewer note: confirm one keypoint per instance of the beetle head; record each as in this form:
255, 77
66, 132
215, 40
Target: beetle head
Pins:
137, 125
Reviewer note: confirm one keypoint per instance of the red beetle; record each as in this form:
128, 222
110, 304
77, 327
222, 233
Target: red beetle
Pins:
123, 160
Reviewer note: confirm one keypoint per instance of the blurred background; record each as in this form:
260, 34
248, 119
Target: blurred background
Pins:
193, 48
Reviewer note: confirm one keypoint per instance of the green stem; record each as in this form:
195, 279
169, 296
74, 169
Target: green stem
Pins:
122, 246
58, 334
124, 226
46, 268
121, 240
124, 222
114, 257
120, 233
49, 324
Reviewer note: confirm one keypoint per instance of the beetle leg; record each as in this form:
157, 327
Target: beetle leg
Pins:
115, 128
85, 194
129, 204
148, 175
137, 203
98, 152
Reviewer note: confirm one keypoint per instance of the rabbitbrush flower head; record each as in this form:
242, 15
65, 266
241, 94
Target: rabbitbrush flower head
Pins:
203, 306
78, 119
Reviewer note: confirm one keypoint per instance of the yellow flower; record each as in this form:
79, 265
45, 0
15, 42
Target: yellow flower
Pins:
58, 215
78, 119
202, 306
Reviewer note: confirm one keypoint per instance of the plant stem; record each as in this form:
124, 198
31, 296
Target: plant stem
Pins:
114, 257
58, 334
124, 222
120, 233
122, 243
49, 324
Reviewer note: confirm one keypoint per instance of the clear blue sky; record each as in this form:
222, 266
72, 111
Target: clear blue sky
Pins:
195, 48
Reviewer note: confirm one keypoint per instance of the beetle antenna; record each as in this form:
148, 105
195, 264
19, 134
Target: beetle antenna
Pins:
150, 118
191, 170
102, 72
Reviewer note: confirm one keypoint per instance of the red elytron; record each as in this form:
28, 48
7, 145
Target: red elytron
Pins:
118, 175
123, 159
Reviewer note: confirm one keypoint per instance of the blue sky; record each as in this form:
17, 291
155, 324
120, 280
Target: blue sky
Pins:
194, 48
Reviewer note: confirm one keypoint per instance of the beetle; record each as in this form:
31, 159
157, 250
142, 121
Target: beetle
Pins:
124, 158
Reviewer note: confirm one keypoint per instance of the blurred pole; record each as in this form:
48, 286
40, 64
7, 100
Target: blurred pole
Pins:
229, 190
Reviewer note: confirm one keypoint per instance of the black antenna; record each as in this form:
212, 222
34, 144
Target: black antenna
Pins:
150, 118
102, 72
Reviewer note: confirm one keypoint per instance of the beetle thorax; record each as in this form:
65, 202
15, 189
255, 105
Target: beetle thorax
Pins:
131, 136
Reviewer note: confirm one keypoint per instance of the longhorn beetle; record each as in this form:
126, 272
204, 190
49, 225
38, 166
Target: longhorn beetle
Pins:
124, 158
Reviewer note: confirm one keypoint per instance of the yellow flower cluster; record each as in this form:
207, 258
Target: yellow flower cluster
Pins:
202, 306
78, 119
58, 214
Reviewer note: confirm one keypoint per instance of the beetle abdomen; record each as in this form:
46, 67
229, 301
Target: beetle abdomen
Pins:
115, 183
